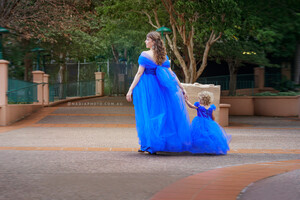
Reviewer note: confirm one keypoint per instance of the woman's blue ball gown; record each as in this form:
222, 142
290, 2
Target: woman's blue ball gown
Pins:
162, 120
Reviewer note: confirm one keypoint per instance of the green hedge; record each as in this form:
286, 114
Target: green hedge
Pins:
290, 93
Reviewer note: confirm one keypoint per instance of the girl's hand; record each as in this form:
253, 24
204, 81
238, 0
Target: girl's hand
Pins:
129, 96
184, 94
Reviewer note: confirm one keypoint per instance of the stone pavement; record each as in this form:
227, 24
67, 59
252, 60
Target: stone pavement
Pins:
87, 150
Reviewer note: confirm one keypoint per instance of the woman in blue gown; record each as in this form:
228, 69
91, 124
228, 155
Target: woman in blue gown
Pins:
162, 120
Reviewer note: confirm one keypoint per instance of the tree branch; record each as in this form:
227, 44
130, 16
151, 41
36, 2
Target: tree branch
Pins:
156, 18
149, 18
220, 35
10, 7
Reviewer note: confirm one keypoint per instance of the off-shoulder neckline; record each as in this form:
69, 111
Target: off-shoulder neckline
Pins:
210, 107
146, 55
150, 58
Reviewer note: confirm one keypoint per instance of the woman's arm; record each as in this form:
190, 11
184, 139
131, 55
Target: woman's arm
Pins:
190, 104
134, 82
181, 87
213, 116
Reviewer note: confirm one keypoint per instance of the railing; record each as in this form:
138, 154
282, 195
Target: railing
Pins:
21, 92
58, 91
243, 81
272, 80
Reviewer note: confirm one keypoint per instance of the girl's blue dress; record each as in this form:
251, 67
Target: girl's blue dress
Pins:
162, 120
208, 136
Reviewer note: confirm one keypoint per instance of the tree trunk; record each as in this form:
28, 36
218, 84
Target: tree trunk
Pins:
297, 65
204, 62
27, 60
233, 69
115, 53
174, 48
212, 39
61, 75
125, 53
232, 84
28, 67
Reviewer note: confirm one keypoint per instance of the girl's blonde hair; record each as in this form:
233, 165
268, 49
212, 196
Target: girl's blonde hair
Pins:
206, 97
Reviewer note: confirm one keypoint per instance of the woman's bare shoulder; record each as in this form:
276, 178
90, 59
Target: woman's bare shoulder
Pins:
148, 54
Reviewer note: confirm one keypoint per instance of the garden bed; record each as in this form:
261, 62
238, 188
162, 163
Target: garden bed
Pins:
264, 105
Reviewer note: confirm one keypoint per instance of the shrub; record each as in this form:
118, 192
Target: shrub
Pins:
289, 93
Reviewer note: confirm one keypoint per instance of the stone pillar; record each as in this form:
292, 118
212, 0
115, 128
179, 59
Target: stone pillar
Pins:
38, 77
192, 92
299, 107
3, 90
224, 113
121, 83
99, 77
46, 89
259, 78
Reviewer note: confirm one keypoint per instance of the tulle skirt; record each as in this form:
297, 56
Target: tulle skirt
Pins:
162, 120
208, 137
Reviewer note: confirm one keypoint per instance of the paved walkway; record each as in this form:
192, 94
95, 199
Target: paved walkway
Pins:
87, 150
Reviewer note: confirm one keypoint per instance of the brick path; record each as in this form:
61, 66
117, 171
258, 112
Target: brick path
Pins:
224, 183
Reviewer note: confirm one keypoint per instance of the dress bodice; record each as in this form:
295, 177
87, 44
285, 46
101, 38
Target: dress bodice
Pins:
150, 71
203, 112
163, 75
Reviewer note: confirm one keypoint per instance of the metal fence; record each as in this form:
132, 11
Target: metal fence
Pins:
118, 78
80, 79
58, 91
21, 92
272, 80
74, 72
243, 81
117, 81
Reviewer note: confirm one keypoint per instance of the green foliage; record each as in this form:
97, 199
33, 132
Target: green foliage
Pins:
266, 27
123, 27
289, 93
279, 29
85, 29
286, 85
12, 102
211, 15
14, 51
240, 42
131, 13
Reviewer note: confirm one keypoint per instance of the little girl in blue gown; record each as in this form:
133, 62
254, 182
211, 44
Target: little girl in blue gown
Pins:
208, 137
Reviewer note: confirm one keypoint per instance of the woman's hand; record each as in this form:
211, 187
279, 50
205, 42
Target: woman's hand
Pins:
134, 83
129, 96
184, 94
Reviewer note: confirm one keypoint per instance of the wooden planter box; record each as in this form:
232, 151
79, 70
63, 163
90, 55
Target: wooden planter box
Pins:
279, 106
239, 105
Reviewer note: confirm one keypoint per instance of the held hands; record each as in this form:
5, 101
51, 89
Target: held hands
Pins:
129, 96
185, 94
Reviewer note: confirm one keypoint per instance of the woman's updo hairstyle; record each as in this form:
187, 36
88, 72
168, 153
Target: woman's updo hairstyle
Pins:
158, 47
